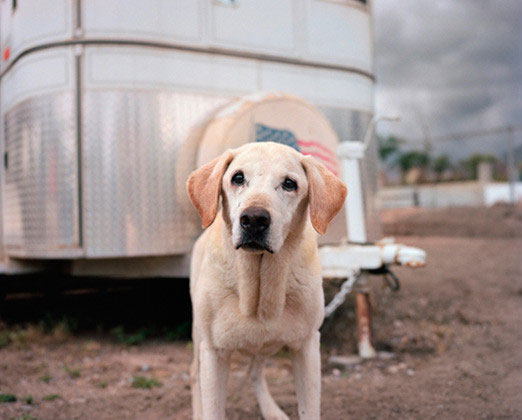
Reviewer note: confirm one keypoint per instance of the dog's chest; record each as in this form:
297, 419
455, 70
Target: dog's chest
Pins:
232, 330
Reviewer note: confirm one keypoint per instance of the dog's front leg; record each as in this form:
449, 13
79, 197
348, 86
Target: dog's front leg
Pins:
214, 367
307, 375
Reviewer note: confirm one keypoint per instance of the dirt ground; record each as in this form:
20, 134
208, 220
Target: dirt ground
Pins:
453, 332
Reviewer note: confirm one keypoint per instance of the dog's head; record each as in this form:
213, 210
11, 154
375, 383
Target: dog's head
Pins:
265, 189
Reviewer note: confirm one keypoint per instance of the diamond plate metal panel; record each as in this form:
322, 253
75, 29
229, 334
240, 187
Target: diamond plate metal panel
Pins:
348, 124
370, 184
352, 125
41, 178
138, 148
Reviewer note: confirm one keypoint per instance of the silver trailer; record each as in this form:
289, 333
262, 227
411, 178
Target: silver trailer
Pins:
104, 105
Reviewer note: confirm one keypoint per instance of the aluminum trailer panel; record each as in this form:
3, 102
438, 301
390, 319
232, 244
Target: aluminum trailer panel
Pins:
102, 107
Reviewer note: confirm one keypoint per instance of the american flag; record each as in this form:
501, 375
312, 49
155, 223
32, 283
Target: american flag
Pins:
306, 147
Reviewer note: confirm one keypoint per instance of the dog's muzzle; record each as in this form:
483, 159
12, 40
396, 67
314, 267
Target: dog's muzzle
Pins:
254, 222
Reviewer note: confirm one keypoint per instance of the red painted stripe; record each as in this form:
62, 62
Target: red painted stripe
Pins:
313, 143
333, 161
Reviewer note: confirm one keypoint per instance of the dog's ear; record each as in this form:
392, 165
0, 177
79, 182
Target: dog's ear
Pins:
204, 187
326, 193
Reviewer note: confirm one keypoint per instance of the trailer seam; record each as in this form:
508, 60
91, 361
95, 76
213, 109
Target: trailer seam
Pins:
180, 47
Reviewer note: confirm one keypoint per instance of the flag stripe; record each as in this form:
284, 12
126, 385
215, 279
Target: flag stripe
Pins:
320, 155
316, 144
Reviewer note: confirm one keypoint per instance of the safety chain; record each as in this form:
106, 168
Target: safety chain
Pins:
340, 297
391, 280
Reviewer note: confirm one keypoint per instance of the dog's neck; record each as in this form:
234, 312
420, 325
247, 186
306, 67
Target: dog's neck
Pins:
262, 279
262, 284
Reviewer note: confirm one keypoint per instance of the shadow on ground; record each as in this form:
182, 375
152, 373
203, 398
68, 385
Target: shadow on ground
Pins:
128, 310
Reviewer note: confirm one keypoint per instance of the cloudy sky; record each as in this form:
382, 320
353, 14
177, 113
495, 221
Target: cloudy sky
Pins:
449, 66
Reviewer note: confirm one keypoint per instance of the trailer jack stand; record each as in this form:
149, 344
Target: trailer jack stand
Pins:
364, 325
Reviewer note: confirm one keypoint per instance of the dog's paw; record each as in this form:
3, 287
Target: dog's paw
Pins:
276, 415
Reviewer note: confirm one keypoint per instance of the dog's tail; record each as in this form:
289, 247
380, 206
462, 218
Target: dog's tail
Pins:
249, 371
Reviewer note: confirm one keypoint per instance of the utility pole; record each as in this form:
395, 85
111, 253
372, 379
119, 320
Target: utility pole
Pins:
511, 165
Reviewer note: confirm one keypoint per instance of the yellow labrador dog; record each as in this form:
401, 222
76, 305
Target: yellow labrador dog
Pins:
256, 281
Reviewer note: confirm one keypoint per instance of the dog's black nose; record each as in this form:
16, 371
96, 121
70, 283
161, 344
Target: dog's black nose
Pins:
255, 220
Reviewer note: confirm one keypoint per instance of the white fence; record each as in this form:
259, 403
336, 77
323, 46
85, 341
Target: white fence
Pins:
453, 194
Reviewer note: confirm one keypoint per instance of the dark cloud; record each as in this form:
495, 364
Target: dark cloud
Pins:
448, 66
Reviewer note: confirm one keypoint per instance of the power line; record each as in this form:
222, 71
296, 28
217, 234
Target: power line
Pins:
472, 134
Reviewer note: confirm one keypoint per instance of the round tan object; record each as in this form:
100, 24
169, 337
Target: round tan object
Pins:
274, 117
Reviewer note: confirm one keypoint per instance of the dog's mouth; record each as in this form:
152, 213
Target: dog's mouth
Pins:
252, 246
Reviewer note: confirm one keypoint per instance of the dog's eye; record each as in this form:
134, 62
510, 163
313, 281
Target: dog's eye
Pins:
289, 184
238, 178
